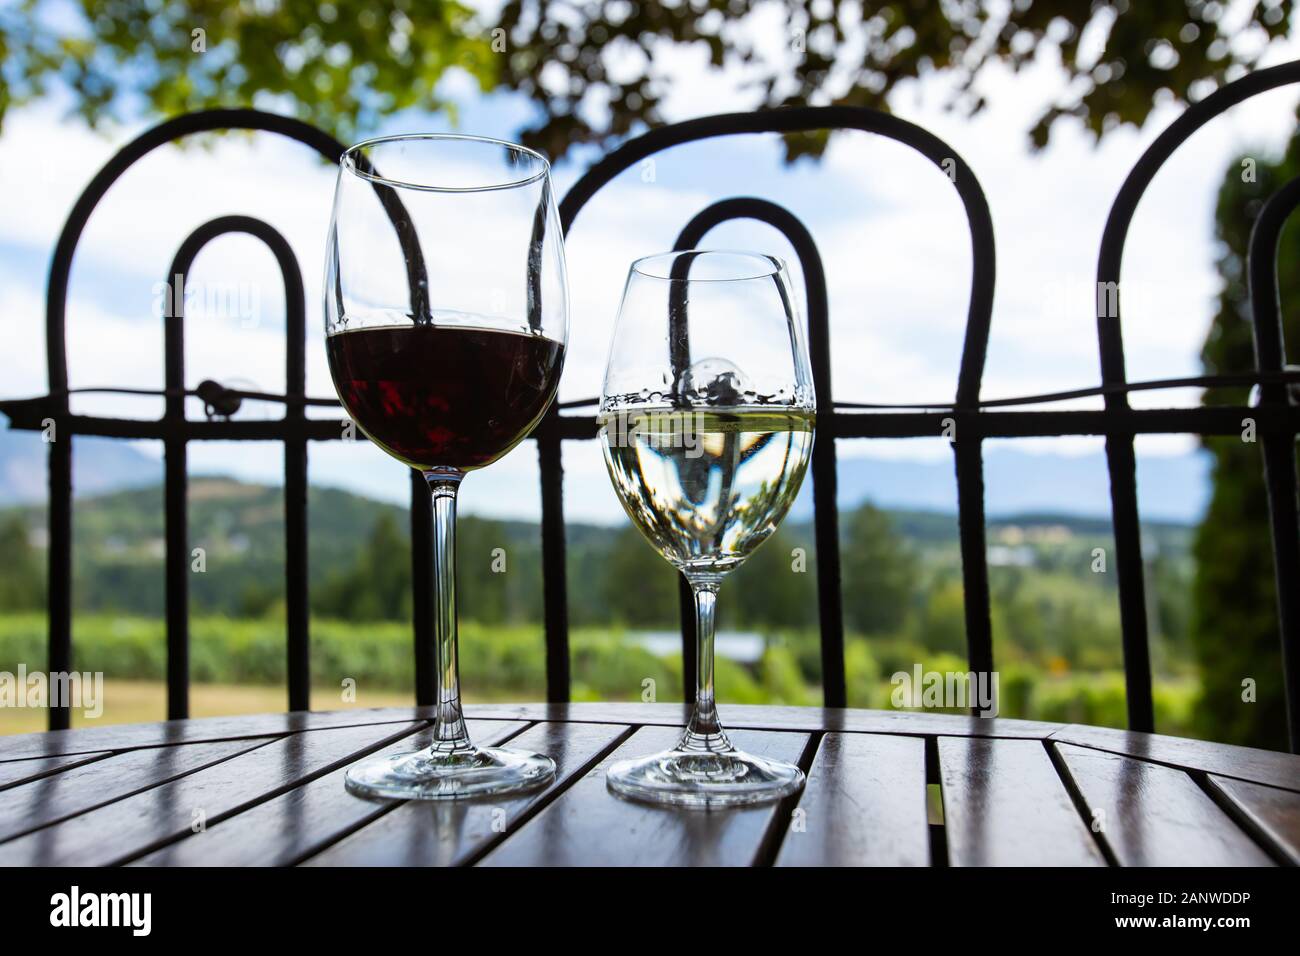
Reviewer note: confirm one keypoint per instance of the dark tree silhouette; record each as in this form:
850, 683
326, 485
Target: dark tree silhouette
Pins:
879, 573
1234, 625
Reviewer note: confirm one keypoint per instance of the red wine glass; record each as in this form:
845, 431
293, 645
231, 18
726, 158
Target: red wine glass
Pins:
446, 313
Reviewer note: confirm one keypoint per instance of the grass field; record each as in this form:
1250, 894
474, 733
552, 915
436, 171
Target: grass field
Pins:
238, 667
134, 702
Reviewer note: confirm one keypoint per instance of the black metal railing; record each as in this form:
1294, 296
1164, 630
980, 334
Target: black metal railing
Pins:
1277, 416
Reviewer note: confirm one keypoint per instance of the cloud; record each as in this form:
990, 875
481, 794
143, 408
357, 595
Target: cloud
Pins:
889, 228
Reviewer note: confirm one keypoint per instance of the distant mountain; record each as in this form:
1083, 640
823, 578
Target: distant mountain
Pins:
99, 465
119, 549
1170, 488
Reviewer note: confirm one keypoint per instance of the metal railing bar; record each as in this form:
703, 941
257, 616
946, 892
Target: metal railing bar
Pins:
1188, 381
1200, 420
1210, 420
1121, 460
1279, 449
810, 118
982, 245
1222, 380
59, 574
825, 483
555, 571
176, 471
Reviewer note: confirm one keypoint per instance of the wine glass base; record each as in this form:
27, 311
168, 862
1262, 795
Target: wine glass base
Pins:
461, 775
704, 780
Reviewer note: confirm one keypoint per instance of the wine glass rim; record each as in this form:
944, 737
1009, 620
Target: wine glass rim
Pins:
348, 162
772, 265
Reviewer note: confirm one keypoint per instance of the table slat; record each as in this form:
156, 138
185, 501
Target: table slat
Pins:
14, 772
199, 729
1152, 815
1004, 805
48, 799
773, 717
864, 805
420, 833
286, 828
589, 826
137, 824
1247, 763
195, 730
1273, 811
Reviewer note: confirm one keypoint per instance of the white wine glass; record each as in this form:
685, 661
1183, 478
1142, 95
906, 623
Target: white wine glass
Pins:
706, 422
446, 315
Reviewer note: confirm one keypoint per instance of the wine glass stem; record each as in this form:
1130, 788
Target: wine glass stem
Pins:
704, 732
449, 734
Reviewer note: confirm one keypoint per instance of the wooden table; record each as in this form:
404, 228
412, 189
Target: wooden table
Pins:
884, 788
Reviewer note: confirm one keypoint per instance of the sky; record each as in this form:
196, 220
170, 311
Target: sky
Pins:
887, 222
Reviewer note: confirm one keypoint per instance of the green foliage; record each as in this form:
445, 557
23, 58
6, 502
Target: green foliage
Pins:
638, 586
878, 573
336, 65
774, 588
342, 67
378, 586
1234, 620
941, 622
22, 585
1055, 621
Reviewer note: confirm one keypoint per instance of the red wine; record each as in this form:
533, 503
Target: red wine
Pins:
449, 396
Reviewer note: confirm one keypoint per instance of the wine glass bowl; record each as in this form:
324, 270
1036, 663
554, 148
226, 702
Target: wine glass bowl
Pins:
706, 422
446, 313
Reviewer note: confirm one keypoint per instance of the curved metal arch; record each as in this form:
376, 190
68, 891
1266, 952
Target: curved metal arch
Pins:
968, 452
59, 570
1111, 254
166, 132
1265, 297
176, 462
1278, 449
160, 135
59, 574
810, 118
1121, 460
826, 523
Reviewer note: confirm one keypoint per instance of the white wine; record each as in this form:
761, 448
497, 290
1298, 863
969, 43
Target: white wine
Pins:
707, 486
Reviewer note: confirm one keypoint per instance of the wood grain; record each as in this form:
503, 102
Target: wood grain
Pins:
1152, 815
196, 730
165, 733
14, 772
1004, 805
307, 818
43, 801
767, 717
139, 823
421, 833
589, 826
270, 788
864, 805
1274, 813
1245, 763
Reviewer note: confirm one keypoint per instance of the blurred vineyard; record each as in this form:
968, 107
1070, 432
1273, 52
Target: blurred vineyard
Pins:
1055, 615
